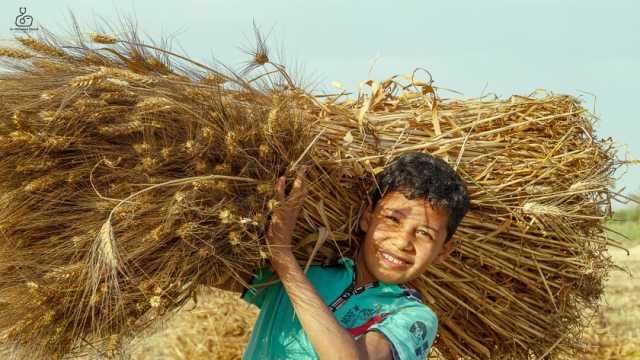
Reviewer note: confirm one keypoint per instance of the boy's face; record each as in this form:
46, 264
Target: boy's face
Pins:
403, 237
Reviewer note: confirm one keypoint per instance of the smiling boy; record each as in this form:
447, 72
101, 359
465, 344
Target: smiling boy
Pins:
360, 309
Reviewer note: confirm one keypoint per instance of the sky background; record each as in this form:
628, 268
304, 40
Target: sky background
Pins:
583, 48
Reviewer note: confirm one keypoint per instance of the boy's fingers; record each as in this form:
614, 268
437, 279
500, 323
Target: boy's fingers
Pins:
298, 184
299, 190
280, 189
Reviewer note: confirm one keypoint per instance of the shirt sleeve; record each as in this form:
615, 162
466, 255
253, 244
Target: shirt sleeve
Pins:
410, 330
256, 294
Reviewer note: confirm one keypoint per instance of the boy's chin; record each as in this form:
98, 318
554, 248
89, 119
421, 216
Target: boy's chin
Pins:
393, 276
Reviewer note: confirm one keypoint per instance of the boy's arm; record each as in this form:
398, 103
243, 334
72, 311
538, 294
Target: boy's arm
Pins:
328, 337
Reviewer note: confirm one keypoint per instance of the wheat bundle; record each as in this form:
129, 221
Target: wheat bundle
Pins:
132, 175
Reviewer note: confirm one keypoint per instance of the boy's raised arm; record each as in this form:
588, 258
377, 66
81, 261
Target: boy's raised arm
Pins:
328, 337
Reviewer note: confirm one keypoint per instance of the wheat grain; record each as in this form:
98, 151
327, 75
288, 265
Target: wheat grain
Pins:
102, 38
41, 47
14, 53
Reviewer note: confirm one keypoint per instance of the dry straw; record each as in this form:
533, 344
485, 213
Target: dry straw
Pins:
131, 176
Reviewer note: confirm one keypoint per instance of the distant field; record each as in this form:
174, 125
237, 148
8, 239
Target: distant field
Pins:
626, 222
615, 333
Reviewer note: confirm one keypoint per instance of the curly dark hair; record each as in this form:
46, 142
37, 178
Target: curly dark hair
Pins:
417, 174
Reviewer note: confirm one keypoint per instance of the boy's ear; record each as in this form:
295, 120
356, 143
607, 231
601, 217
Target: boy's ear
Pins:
365, 219
447, 248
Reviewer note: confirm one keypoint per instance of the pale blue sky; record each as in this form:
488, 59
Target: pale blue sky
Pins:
507, 47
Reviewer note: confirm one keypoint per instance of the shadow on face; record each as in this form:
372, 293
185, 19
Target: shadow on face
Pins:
403, 237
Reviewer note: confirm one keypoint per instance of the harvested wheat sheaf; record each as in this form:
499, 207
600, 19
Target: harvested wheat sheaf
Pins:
132, 176
217, 327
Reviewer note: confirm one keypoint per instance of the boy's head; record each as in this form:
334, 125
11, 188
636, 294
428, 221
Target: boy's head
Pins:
411, 221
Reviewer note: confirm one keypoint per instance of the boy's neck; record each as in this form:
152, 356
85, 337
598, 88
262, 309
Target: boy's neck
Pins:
363, 275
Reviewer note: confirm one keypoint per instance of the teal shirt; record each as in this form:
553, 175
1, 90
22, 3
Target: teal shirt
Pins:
393, 310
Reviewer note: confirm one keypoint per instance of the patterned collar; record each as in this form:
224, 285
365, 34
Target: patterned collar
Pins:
382, 287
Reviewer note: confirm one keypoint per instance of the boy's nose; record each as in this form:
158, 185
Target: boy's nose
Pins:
403, 241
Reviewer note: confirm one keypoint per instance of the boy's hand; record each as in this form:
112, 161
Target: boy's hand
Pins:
285, 214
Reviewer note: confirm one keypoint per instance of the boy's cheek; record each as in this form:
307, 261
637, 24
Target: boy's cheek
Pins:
380, 237
426, 256
422, 265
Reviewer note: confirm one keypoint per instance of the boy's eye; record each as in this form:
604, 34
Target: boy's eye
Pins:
424, 233
392, 218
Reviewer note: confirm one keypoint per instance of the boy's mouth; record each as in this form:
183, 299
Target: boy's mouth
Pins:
391, 261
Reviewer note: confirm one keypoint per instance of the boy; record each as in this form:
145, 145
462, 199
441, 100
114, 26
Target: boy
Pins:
361, 310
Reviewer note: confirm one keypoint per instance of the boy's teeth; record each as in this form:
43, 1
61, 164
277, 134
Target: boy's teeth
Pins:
392, 259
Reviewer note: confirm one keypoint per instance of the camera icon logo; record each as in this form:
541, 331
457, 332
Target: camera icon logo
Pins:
23, 20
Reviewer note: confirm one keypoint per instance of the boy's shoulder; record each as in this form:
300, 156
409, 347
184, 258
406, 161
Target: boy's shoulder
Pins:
341, 267
410, 327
